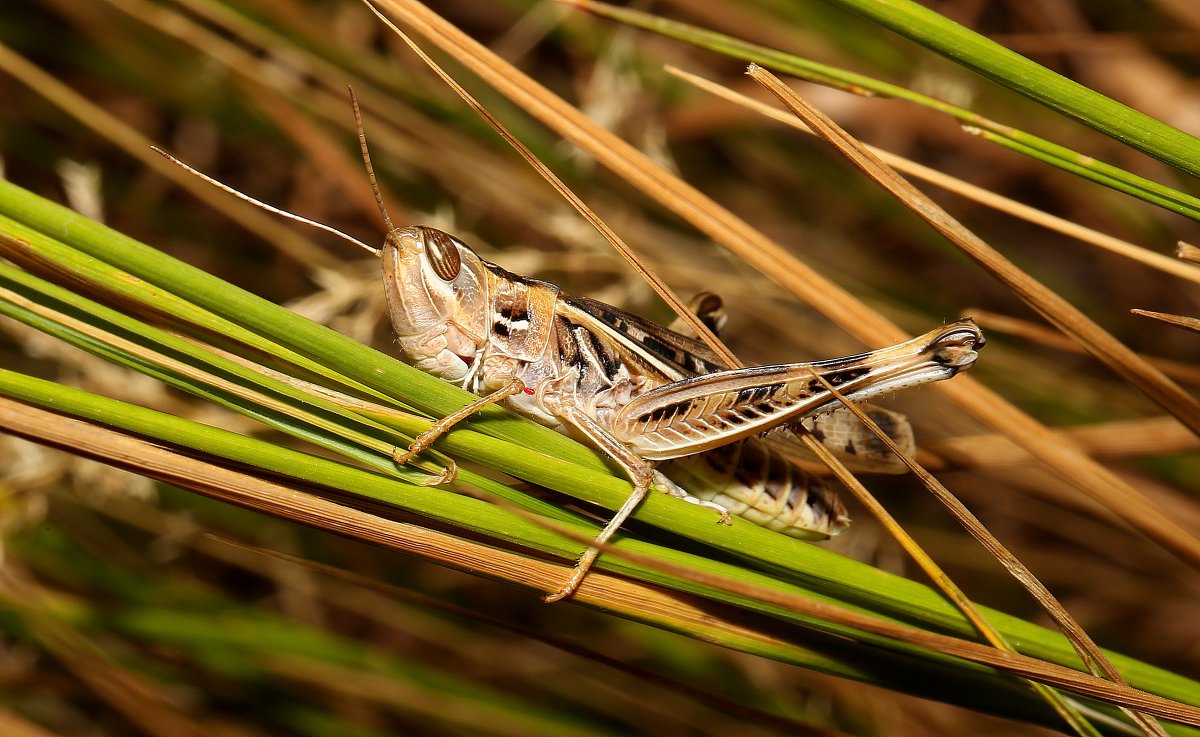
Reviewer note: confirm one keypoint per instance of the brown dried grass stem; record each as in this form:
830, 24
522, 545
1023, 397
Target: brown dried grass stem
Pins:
350, 581
1049, 304
966, 189
1179, 321
1091, 654
993, 321
1023, 666
660, 287
990, 407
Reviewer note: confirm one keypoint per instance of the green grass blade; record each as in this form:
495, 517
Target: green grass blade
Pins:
1006, 67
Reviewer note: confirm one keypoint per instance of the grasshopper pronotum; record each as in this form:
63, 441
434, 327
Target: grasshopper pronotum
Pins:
640, 392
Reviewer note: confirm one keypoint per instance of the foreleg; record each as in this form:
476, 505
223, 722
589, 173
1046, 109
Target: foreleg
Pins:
443, 426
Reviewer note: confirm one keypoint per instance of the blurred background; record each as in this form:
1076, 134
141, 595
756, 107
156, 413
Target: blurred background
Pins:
172, 632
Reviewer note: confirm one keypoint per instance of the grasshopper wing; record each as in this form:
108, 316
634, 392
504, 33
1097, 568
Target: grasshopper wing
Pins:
708, 411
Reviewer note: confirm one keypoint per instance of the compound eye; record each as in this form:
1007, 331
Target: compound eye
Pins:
442, 253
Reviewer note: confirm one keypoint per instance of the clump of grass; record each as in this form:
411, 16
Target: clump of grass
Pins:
158, 627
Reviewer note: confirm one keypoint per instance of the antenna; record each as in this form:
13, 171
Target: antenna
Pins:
282, 213
366, 155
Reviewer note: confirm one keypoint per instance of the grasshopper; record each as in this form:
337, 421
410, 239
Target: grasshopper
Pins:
640, 392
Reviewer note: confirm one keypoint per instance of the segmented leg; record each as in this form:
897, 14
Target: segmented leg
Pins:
640, 473
443, 426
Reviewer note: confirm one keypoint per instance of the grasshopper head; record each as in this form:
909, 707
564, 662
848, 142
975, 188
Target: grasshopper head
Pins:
436, 290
